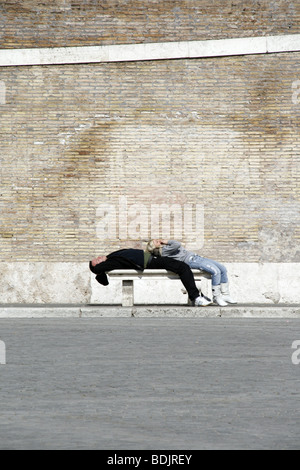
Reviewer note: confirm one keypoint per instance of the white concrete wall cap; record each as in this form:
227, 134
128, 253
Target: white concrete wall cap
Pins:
149, 51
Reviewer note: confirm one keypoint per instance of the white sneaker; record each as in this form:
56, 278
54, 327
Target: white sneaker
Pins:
225, 294
219, 301
202, 302
228, 299
217, 296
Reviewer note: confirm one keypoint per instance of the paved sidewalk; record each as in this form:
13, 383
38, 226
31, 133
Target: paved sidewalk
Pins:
149, 311
149, 383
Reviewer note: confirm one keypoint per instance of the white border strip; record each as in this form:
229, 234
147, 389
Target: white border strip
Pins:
150, 51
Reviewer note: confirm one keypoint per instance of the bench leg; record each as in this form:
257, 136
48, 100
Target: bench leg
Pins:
127, 290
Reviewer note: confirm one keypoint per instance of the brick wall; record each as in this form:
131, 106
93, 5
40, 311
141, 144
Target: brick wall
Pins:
32, 23
221, 134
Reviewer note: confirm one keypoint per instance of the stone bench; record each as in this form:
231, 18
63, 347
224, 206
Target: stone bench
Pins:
128, 276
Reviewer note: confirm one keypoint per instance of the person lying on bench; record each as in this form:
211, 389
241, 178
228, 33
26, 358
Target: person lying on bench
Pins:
140, 260
174, 250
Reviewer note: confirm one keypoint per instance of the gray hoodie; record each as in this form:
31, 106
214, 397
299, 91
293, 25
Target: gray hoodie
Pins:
175, 250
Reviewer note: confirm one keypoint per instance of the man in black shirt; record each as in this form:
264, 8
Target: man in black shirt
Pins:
140, 260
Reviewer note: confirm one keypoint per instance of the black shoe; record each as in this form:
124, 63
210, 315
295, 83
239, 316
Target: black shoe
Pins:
102, 279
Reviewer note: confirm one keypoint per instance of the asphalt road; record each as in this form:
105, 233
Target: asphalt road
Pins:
149, 384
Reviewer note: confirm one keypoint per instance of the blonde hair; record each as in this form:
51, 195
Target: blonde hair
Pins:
151, 248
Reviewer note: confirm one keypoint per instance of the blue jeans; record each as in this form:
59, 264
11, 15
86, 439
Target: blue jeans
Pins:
217, 270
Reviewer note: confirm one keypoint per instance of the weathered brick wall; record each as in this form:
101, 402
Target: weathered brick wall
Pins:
32, 23
220, 133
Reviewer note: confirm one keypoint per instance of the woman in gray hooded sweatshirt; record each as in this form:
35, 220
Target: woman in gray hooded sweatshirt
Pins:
174, 249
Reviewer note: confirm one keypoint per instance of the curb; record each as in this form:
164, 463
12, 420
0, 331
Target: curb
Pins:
149, 311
